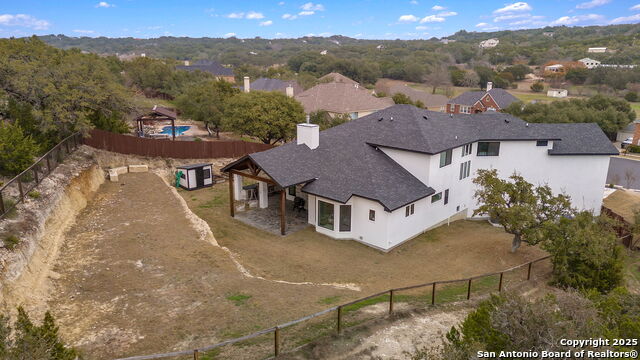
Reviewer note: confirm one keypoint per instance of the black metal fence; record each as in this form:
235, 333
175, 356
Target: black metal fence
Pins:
17, 189
346, 315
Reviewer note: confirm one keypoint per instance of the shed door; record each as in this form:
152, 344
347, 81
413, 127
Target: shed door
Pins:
199, 177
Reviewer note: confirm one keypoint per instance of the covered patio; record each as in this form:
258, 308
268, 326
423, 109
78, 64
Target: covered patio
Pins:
250, 204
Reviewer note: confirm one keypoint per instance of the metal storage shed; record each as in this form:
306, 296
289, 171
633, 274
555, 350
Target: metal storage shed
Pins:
195, 176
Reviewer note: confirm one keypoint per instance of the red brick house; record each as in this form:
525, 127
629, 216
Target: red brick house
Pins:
473, 102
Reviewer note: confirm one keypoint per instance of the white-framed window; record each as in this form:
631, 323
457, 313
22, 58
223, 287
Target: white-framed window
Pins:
409, 210
465, 109
467, 149
465, 169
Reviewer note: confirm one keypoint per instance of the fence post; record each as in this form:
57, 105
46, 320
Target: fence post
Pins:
469, 290
20, 187
66, 145
276, 342
35, 174
500, 283
529, 271
433, 294
48, 164
195, 354
390, 301
338, 327
1, 204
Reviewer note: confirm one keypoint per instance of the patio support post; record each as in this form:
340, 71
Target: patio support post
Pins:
263, 194
231, 198
173, 129
283, 207
237, 187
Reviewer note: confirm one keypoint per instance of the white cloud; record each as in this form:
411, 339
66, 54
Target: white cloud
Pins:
431, 18
408, 18
312, 7
413, 2
23, 20
252, 15
238, 15
84, 31
266, 23
438, 8
306, 13
635, 7
104, 4
626, 19
482, 24
228, 35
515, 7
421, 27
571, 20
289, 16
448, 13
592, 4
280, 3
325, 34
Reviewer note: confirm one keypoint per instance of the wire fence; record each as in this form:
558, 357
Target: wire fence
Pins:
294, 334
17, 189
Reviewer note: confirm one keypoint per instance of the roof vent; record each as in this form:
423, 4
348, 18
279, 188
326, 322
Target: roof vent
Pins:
391, 118
456, 137
425, 117
380, 119
527, 124
506, 121
451, 115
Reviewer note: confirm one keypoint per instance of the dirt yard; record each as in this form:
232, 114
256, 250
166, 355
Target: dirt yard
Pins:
137, 276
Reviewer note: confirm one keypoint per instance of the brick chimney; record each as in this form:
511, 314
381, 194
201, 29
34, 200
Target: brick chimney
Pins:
247, 84
636, 135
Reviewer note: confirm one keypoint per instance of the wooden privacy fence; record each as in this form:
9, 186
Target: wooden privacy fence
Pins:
27, 180
132, 145
388, 296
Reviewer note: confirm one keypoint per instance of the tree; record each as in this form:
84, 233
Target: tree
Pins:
470, 79
400, 98
326, 121
485, 74
537, 86
632, 96
32, 341
438, 77
519, 71
206, 102
268, 116
518, 206
17, 151
584, 252
577, 75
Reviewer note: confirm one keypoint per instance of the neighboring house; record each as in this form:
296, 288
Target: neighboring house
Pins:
342, 98
335, 77
433, 102
597, 50
590, 63
489, 43
288, 87
556, 68
212, 67
557, 93
390, 176
548, 34
473, 102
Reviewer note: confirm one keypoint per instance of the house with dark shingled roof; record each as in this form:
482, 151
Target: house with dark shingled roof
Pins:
472, 102
387, 177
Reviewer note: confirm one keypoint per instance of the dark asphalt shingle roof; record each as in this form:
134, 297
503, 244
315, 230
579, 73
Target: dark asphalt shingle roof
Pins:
348, 163
211, 67
267, 84
502, 97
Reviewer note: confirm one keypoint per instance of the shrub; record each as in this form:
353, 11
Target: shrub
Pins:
585, 253
11, 241
633, 148
400, 98
16, 149
632, 96
537, 86
197, 139
34, 194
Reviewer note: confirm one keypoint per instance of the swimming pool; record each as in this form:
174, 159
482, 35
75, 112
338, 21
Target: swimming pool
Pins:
179, 130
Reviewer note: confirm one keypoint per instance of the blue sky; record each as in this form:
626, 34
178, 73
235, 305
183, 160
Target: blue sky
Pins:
368, 19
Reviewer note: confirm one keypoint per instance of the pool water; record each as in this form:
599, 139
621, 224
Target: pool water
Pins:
179, 130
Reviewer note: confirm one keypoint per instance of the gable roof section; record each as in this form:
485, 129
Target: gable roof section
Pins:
429, 100
211, 67
348, 161
501, 96
341, 98
267, 84
335, 77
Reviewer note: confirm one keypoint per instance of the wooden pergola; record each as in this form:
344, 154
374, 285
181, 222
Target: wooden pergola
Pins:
249, 169
158, 113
